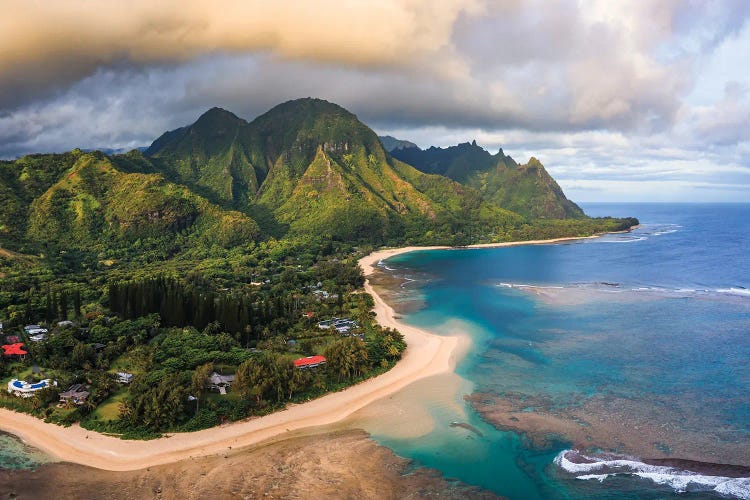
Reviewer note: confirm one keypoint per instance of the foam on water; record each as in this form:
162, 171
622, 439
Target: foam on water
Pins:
619, 288
599, 468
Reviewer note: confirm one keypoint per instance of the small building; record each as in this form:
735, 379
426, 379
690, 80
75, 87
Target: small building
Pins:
124, 377
76, 394
219, 382
14, 351
65, 324
12, 339
39, 337
309, 362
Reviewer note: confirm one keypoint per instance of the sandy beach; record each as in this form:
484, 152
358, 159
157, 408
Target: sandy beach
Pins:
426, 355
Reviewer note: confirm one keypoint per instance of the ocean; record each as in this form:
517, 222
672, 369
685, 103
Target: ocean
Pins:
614, 367
14, 454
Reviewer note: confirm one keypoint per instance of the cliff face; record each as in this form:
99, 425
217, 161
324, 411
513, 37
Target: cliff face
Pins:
527, 189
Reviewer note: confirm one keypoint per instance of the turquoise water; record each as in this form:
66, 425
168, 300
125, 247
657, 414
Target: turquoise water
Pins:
642, 339
14, 454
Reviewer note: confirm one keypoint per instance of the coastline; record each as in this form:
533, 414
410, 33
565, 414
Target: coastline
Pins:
426, 355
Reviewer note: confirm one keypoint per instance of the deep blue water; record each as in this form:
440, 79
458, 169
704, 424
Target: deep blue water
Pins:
645, 334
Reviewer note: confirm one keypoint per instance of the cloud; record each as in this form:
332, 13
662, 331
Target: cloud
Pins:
645, 91
47, 45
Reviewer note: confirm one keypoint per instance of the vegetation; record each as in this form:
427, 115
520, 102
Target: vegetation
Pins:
525, 189
219, 250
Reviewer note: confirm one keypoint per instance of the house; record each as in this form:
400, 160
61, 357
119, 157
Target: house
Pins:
309, 362
24, 389
124, 377
14, 350
345, 326
325, 325
219, 382
76, 394
34, 330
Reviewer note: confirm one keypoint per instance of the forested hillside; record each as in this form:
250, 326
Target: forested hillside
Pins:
525, 189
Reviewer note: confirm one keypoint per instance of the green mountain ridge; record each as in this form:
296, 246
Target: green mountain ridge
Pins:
90, 201
390, 143
305, 170
526, 189
318, 170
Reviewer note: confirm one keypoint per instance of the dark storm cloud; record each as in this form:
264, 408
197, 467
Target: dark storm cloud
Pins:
598, 85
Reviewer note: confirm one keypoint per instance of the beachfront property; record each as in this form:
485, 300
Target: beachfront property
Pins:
76, 394
342, 325
34, 330
309, 362
221, 383
124, 377
35, 333
324, 295
15, 350
25, 389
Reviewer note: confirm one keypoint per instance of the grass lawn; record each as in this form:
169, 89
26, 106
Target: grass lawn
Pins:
110, 409
59, 414
231, 396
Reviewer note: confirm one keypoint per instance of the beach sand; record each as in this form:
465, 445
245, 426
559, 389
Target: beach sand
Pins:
426, 355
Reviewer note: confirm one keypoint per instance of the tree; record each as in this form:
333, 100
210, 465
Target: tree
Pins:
63, 305
156, 408
77, 303
347, 358
265, 377
200, 381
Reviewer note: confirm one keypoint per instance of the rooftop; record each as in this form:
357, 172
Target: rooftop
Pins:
309, 361
14, 349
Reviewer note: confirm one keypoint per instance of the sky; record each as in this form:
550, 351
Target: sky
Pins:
644, 100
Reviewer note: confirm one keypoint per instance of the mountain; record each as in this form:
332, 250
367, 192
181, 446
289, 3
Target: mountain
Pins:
307, 170
525, 189
390, 143
311, 167
87, 201
212, 156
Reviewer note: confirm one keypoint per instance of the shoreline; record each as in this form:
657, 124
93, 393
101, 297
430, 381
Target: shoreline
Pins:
426, 355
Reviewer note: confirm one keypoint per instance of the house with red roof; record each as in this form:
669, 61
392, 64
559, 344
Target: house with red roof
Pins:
309, 362
16, 350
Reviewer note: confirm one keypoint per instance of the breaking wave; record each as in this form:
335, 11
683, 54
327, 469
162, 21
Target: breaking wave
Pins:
600, 467
643, 232
603, 286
